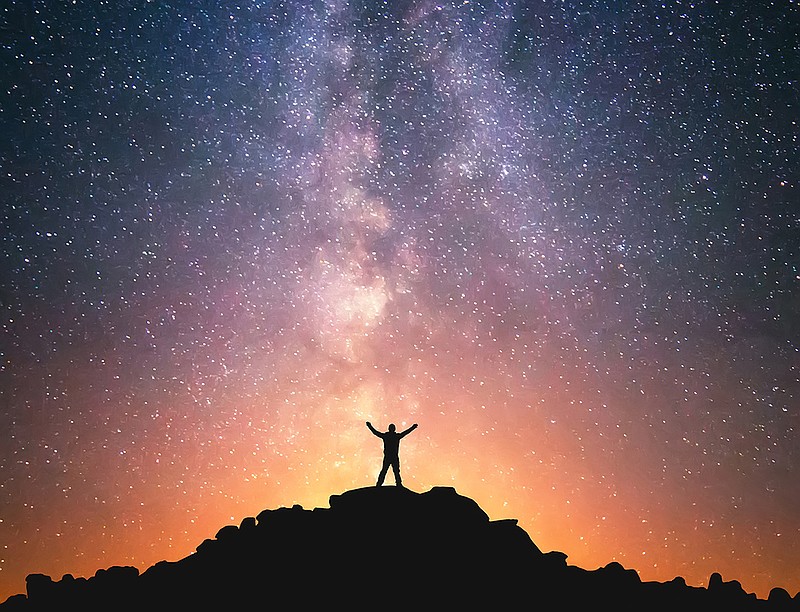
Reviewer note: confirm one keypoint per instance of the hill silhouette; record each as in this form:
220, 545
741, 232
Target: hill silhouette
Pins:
380, 547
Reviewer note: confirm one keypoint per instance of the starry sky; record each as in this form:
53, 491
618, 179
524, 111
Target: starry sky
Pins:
562, 236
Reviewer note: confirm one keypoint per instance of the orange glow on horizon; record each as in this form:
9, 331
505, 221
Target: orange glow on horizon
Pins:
562, 500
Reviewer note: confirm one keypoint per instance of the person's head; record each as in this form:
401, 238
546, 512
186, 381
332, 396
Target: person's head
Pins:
392, 427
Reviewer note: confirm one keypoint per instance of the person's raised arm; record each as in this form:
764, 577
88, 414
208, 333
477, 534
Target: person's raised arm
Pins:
373, 430
409, 430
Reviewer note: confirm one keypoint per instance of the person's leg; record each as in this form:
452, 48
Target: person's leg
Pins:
384, 469
396, 467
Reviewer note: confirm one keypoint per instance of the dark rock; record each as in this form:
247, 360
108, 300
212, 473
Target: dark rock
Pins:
385, 546
678, 582
780, 599
227, 533
729, 593
263, 516
118, 573
16, 602
247, 523
40, 588
615, 572
556, 558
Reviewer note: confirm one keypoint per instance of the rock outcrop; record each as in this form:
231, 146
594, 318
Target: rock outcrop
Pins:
380, 548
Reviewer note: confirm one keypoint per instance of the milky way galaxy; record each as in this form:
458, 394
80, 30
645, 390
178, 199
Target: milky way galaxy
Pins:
562, 236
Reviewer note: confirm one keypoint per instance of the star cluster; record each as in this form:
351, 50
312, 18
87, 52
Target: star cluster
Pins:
561, 236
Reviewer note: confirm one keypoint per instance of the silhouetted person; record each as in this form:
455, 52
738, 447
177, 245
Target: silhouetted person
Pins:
391, 449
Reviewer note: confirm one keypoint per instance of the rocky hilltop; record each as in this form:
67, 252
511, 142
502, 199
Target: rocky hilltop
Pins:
380, 548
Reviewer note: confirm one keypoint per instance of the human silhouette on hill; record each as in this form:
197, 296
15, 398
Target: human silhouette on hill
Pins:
391, 450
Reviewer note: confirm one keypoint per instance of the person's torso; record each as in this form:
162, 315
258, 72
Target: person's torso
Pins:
391, 443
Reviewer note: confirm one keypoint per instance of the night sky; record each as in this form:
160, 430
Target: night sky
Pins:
562, 236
